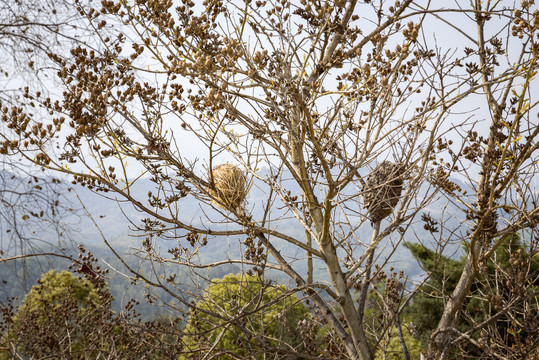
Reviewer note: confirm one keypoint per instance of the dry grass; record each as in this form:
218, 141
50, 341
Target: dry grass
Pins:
231, 186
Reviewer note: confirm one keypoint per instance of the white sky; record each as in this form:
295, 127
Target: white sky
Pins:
434, 30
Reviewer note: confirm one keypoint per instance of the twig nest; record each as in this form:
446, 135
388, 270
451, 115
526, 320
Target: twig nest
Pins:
382, 190
231, 186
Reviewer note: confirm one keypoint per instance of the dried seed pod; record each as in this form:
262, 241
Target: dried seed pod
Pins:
231, 186
382, 190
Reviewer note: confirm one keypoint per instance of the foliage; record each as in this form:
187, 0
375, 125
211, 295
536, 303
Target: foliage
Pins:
240, 312
510, 273
67, 317
384, 311
57, 300
392, 348
55, 287
427, 306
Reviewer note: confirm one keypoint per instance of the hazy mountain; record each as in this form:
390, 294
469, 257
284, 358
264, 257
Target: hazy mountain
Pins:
112, 218
117, 220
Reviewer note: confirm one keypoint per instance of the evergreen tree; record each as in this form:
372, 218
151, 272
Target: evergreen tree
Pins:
67, 317
509, 273
240, 315
59, 303
427, 306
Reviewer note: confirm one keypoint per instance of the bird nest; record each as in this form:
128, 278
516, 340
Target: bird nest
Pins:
231, 186
382, 190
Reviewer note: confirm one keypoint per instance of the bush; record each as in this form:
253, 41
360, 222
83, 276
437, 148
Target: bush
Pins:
241, 316
67, 317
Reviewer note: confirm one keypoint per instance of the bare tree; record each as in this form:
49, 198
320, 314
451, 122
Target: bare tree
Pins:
31, 204
29, 30
306, 99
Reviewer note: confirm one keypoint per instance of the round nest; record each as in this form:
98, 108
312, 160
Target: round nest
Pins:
230, 186
382, 190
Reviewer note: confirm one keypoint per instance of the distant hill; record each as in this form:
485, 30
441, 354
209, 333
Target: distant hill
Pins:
116, 222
